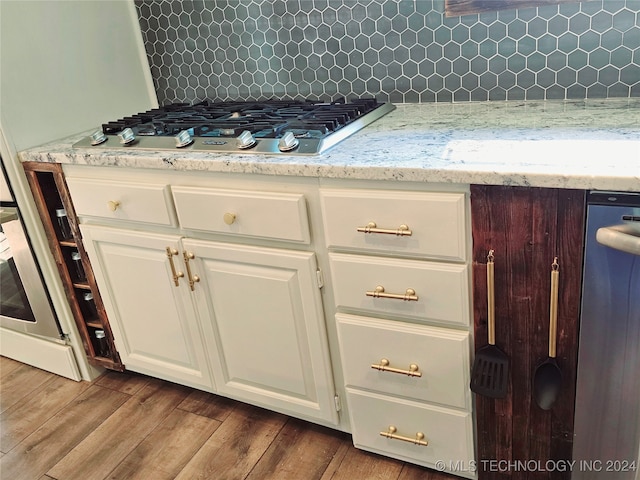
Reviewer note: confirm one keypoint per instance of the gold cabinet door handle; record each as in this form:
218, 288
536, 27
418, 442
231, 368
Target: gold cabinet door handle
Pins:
408, 295
417, 440
383, 366
371, 227
193, 279
113, 205
176, 275
229, 218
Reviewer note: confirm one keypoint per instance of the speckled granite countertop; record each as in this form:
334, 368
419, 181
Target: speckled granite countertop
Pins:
592, 144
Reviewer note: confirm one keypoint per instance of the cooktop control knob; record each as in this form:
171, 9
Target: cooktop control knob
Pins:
98, 137
127, 137
288, 142
183, 139
245, 140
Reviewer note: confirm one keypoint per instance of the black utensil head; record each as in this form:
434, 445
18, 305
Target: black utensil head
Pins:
490, 373
547, 382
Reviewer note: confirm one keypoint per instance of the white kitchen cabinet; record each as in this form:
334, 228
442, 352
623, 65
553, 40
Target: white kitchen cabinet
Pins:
269, 345
286, 289
154, 322
401, 278
242, 320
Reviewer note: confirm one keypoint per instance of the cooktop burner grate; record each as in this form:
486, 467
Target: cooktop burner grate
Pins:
272, 126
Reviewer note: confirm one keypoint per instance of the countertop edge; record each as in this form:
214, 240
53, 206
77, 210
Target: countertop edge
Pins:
622, 182
563, 144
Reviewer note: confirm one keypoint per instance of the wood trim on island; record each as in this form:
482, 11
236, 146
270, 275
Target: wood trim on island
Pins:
527, 228
50, 192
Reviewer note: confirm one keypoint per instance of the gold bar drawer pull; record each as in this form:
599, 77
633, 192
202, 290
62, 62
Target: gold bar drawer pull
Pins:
176, 275
401, 231
408, 295
418, 439
193, 279
383, 366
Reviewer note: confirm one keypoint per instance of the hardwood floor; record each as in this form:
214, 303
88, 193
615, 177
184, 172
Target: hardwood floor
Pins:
129, 426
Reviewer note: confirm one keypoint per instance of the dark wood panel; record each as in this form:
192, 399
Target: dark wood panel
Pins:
50, 192
113, 362
570, 247
467, 7
527, 228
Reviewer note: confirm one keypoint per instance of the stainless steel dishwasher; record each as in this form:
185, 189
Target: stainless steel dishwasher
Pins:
607, 418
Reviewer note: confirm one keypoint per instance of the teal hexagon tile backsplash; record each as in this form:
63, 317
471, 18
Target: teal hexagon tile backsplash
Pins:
395, 50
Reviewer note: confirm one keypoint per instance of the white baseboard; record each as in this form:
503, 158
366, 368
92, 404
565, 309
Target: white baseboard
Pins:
39, 353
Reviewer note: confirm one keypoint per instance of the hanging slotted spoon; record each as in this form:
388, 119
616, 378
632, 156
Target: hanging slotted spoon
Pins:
490, 373
547, 380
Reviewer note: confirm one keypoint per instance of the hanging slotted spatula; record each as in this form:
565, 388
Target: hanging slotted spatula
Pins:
490, 373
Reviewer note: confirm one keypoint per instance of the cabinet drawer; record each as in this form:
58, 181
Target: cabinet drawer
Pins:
442, 289
440, 355
149, 203
449, 433
436, 222
281, 216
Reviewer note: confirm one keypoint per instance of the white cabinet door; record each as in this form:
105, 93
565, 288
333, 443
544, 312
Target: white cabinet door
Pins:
267, 327
153, 321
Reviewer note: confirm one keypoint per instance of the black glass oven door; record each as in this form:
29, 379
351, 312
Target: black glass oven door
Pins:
24, 303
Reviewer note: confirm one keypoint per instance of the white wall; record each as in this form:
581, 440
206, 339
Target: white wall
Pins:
65, 67
68, 66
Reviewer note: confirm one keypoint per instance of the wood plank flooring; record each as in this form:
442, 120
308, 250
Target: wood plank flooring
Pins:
127, 426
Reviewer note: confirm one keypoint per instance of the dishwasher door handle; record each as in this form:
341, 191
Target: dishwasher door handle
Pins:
620, 237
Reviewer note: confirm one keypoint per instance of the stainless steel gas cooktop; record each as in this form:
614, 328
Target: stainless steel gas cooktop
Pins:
266, 127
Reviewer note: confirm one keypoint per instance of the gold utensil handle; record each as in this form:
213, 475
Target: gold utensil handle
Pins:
553, 308
383, 366
491, 305
176, 275
371, 227
193, 279
408, 295
417, 440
